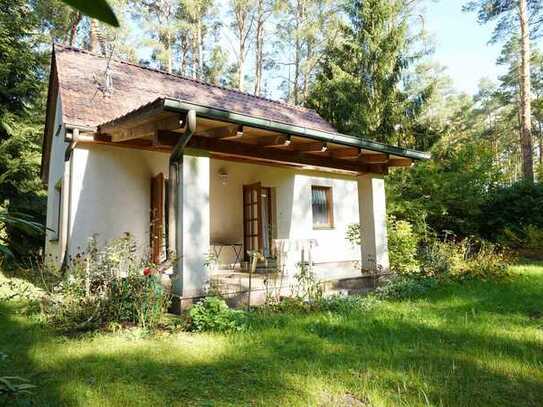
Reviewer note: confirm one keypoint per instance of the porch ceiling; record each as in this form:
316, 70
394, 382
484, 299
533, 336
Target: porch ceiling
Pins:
227, 135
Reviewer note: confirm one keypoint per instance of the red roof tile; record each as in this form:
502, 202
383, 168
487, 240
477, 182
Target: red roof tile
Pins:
81, 77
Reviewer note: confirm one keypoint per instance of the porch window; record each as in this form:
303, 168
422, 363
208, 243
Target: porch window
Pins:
321, 202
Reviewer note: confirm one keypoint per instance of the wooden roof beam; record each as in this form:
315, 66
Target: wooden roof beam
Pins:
280, 155
347, 153
312, 147
400, 162
230, 132
375, 158
124, 133
274, 141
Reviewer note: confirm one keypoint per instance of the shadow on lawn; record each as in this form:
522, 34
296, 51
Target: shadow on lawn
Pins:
404, 359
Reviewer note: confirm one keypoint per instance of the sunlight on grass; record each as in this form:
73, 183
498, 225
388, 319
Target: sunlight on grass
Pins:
478, 344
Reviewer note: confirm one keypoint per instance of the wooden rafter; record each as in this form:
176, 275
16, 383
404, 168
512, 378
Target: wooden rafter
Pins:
375, 158
140, 130
347, 153
224, 132
312, 147
281, 156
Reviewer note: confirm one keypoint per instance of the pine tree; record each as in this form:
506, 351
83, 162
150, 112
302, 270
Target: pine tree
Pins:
513, 19
358, 87
243, 12
21, 97
304, 30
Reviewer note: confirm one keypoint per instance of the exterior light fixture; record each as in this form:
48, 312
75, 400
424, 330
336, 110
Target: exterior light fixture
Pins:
324, 148
239, 133
287, 141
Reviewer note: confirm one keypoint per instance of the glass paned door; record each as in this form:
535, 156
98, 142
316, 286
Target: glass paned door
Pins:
252, 217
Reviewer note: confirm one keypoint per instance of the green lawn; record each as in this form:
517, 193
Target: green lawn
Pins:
478, 344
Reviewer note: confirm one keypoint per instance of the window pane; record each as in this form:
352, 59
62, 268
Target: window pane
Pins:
320, 206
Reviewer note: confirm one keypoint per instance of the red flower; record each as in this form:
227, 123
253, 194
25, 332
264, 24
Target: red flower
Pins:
147, 271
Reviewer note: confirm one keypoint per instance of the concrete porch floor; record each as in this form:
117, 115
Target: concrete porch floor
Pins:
235, 286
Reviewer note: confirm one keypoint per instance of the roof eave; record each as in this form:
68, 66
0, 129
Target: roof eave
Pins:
177, 105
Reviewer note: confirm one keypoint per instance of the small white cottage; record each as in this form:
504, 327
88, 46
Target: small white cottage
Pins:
195, 169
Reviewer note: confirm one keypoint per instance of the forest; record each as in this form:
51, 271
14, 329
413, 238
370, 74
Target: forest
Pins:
366, 66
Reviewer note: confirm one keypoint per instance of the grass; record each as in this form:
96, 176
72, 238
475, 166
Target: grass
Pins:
477, 344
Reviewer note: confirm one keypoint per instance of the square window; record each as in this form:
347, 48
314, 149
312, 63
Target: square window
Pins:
322, 205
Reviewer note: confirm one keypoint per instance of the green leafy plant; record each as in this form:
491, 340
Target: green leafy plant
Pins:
348, 304
352, 235
104, 286
402, 246
19, 221
512, 208
213, 314
98, 9
401, 287
306, 286
465, 259
15, 390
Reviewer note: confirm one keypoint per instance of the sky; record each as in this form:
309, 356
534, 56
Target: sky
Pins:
461, 44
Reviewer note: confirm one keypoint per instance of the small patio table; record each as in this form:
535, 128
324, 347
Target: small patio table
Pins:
237, 249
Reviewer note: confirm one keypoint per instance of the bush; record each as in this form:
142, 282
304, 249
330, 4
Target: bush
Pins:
348, 304
212, 314
109, 286
528, 242
466, 259
512, 208
401, 287
402, 244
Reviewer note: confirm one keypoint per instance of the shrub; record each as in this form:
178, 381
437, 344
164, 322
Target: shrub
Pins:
466, 259
401, 287
348, 304
100, 287
212, 314
513, 207
528, 242
402, 244
288, 305
306, 287
440, 258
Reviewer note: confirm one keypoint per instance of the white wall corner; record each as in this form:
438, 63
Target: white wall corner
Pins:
373, 225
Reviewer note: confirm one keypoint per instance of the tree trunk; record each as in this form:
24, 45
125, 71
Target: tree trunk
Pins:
241, 67
169, 52
525, 104
259, 47
93, 38
540, 144
73, 30
200, 50
297, 49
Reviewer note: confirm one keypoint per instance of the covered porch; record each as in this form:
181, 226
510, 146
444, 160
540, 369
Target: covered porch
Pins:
230, 184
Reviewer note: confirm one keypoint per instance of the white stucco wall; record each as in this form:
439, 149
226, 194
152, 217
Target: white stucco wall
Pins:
56, 173
111, 194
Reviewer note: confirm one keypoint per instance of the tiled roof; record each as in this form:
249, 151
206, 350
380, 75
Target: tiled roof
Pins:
86, 102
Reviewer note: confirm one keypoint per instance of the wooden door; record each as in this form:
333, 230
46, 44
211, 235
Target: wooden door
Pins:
157, 217
252, 217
